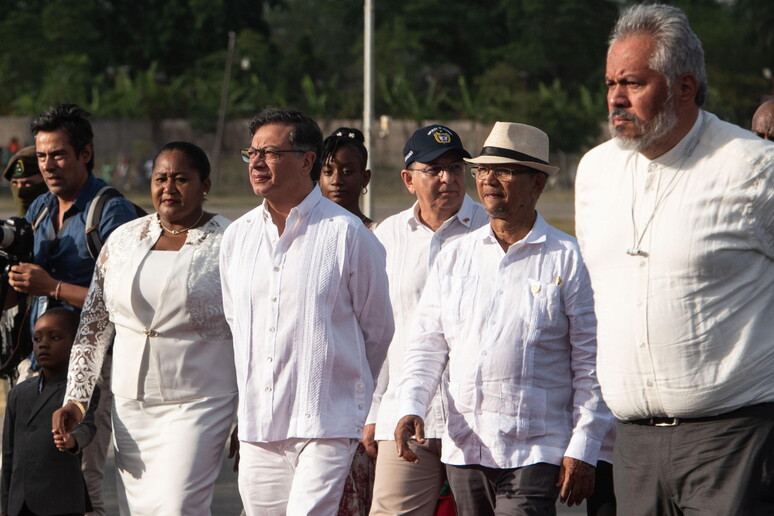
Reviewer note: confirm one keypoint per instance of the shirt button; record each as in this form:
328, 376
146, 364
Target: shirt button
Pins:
642, 344
307, 416
360, 406
271, 330
274, 300
642, 263
649, 383
276, 269
268, 389
269, 359
483, 353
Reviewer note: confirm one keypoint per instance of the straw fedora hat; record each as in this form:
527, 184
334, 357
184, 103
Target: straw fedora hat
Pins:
516, 143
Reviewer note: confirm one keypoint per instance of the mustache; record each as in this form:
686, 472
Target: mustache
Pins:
620, 113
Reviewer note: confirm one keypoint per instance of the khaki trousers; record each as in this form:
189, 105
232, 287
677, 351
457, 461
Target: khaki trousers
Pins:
95, 454
405, 488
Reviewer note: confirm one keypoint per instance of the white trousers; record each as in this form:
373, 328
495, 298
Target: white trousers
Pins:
296, 477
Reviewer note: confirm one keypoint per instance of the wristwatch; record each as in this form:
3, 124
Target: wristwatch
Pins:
80, 406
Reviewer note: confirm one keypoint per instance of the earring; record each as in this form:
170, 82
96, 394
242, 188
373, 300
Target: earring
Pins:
365, 190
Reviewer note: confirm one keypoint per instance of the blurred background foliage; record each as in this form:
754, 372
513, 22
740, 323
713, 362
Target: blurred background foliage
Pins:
535, 61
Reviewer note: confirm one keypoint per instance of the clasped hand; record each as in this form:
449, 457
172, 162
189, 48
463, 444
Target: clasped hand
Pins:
63, 420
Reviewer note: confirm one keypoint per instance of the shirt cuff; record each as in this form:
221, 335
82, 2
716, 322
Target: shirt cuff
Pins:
585, 448
411, 408
372, 415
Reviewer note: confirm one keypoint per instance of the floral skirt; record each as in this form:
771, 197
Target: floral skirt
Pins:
359, 486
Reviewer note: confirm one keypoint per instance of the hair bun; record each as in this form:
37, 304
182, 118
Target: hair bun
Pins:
349, 133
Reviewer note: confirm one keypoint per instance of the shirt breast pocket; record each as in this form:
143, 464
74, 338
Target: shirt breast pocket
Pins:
546, 301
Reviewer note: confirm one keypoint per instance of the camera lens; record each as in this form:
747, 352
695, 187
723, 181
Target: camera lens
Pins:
7, 235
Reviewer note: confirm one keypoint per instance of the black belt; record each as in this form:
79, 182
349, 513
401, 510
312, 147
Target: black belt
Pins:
752, 410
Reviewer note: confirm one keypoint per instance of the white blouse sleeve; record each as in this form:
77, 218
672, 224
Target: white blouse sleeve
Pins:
95, 333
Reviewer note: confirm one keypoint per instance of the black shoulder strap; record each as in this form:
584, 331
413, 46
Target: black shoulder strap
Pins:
94, 217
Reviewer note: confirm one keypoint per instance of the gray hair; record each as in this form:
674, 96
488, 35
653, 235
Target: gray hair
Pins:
678, 49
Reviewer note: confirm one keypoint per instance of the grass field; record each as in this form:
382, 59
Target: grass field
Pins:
556, 205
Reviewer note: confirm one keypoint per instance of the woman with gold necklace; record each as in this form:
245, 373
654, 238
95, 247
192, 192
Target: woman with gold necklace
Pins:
157, 289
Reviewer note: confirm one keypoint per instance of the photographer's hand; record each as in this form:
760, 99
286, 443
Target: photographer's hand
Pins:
33, 279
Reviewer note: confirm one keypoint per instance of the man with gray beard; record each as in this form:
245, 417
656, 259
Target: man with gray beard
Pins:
675, 219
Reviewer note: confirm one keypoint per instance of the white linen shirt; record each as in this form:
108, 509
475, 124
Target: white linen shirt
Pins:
311, 319
518, 330
685, 328
411, 250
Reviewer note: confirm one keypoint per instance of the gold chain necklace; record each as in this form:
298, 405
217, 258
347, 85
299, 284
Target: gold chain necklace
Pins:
177, 232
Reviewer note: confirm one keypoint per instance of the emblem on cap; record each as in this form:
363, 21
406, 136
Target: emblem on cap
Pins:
18, 170
442, 136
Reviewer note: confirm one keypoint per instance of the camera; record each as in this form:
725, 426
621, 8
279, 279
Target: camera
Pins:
16, 245
16, 242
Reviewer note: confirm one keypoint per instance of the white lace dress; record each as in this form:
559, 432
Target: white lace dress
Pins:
173, 380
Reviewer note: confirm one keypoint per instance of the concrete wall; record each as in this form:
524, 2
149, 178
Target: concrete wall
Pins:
137, 140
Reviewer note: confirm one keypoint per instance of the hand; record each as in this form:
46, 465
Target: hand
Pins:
368, 441
407, 427
576, 479
62, 422
31, 279
233, 448
64, 443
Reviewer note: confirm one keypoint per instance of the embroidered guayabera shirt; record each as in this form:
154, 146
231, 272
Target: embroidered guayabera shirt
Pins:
311, 319
518, 331
411, 250
680, 251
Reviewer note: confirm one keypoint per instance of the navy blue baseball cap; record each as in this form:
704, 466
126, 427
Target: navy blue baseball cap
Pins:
428, 143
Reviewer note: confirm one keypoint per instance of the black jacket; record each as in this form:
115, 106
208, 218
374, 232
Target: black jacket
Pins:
34, 471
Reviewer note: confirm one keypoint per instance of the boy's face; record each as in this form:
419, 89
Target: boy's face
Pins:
51, 342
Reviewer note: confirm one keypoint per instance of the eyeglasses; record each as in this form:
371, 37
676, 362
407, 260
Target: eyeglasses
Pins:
501, 174
454, 168
267, 155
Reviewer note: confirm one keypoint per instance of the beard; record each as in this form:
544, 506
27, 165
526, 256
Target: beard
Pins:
498, 212
650, 132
